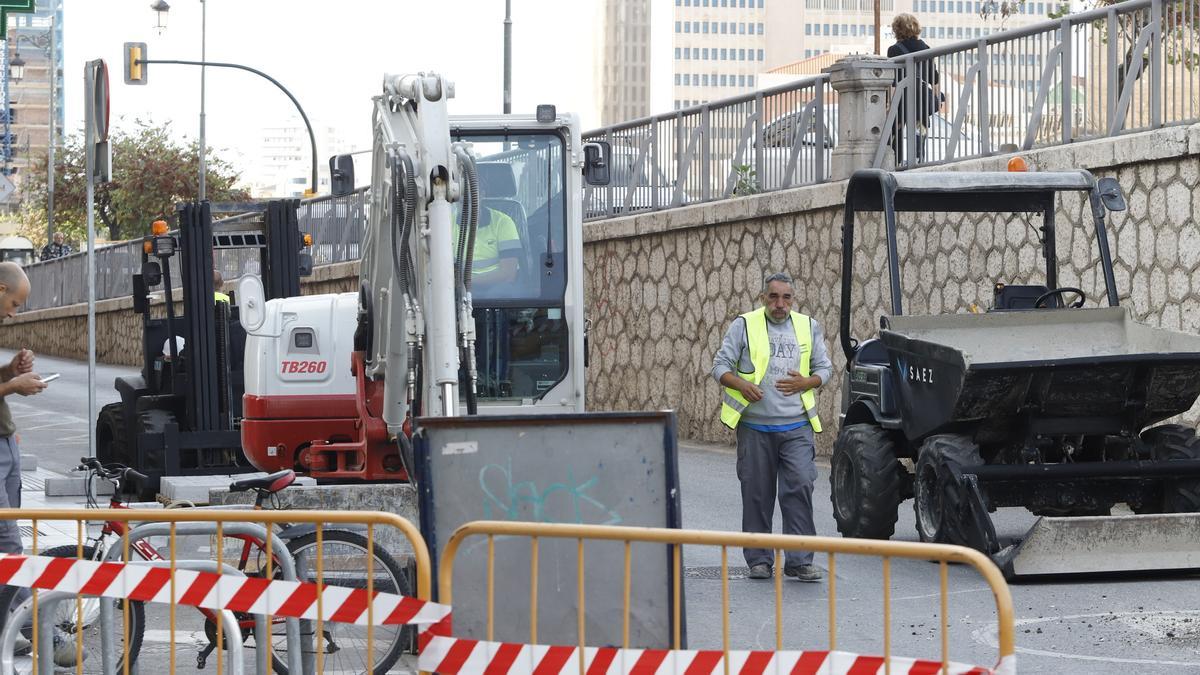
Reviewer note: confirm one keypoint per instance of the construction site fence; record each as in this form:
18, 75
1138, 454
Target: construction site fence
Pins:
485, 653
297, 587
336, 224
248, 564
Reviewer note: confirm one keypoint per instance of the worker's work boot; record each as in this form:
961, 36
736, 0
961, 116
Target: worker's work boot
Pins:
809, 573
759, 571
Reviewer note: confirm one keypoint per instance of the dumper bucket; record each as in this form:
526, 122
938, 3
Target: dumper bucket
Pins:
1168, 542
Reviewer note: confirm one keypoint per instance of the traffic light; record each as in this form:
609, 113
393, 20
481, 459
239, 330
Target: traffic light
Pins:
135, 63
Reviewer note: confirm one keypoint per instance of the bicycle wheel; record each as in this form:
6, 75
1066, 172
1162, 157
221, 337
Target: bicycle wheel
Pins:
66, 622
344, 563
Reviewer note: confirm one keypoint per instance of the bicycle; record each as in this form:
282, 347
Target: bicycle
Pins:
343, 553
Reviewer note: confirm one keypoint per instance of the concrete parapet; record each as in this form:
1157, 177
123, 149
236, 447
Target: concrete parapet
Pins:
397, 498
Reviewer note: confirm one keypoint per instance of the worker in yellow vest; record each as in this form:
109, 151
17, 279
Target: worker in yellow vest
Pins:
770, 364
218, 285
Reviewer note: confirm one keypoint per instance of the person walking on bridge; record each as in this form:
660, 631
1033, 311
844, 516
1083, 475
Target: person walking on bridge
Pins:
56, 248
770, 363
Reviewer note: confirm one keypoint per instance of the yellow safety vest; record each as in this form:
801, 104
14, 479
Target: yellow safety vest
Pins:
218, 296
733, 404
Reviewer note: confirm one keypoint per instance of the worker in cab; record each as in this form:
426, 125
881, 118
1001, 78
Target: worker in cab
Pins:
497, 248
218, 284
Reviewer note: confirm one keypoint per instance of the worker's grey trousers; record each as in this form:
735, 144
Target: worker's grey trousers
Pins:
766, 460
10, 497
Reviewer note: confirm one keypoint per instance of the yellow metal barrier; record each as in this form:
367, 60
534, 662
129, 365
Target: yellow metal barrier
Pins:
340, 540
886, 550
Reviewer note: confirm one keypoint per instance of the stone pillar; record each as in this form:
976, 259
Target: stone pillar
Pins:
862, 84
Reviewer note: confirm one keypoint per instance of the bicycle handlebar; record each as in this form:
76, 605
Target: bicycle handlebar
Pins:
111, 471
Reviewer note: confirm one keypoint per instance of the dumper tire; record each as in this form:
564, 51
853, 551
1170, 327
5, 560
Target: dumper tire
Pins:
866, 482
938, 503
1176, 442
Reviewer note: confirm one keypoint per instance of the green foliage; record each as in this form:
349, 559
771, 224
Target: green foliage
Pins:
151, 173
747, 180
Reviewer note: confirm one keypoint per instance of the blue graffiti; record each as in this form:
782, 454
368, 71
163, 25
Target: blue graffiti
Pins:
514, 501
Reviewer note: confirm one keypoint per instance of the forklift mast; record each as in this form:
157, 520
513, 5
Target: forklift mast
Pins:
216, 387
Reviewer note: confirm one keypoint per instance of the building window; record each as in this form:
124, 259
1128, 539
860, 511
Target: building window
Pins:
678, 79
750, 80
705, 53
724, 80
687, 27
825, 29
761, 3
678, 27
808, 29
741, 55
741, 80
724, 54
678, 53
760, 56
760, 29
741, 29
836, 29
704, 79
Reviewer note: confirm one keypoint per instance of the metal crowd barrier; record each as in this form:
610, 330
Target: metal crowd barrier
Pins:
254, 552
676, 539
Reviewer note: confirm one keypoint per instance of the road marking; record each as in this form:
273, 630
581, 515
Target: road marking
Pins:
987, 636
35, 410
938, 595
50, 425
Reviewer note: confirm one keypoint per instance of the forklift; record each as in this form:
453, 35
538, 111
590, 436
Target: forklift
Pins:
181, 416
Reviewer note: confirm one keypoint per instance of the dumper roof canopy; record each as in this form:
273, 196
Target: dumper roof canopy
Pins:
996, 192
988, 191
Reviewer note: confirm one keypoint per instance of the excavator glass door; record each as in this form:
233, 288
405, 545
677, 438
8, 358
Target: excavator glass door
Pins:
519, 265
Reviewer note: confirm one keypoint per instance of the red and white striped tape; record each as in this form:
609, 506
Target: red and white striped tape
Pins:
448, 656
254, 595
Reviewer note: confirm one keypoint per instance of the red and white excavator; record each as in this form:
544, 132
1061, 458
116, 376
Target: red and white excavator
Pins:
470, 297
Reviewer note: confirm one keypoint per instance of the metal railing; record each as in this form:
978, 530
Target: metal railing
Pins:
336, 224
495, 531
1131, 66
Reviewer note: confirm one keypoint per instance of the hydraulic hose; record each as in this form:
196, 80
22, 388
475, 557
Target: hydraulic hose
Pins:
471, 211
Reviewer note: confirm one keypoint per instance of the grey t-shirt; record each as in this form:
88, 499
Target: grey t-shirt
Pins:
775, 407
7, 428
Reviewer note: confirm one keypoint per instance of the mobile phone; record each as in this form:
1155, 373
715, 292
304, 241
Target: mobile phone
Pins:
51, 377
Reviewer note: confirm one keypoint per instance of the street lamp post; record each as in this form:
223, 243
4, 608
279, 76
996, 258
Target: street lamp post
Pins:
161, 8
312, 139
507, 56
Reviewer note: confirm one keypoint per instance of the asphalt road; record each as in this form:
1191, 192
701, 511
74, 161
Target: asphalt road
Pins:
1094, 626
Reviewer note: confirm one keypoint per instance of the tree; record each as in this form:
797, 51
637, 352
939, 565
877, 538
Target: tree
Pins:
151, 173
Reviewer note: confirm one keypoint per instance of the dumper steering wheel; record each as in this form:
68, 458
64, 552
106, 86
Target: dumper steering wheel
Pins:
1038, 304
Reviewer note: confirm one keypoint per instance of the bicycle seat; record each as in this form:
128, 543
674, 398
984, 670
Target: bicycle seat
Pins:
270, 483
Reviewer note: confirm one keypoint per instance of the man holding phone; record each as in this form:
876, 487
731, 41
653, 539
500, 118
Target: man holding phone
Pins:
17, 377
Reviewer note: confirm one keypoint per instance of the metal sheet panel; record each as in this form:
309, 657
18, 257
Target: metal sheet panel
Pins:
592, 468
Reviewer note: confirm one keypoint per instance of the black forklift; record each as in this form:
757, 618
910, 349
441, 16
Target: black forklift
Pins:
181, 416
1040, 402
